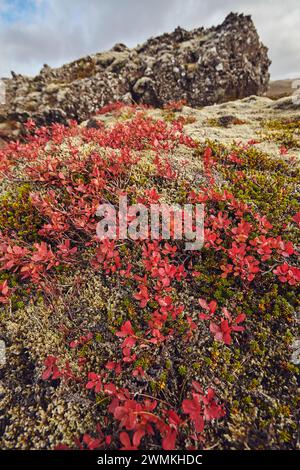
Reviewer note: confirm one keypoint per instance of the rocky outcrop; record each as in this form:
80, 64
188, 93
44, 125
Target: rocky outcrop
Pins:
202, 66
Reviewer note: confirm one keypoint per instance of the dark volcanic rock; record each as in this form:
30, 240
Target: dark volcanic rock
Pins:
202, 66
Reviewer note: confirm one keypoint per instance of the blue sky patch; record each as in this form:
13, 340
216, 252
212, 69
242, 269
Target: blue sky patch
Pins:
12, 11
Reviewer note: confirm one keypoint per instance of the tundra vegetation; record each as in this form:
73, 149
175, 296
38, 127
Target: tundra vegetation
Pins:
122, 344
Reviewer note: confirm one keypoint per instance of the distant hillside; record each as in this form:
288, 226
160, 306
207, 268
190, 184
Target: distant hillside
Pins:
280, 88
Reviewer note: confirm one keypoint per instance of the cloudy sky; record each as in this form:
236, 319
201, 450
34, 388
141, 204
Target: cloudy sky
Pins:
34, 32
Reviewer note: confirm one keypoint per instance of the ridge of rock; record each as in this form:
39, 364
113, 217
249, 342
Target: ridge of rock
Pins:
201, 66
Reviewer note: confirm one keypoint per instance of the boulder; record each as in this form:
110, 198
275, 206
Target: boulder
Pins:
201, 66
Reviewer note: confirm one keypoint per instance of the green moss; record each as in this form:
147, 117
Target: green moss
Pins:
182, 370
247, 400
18, 216
285, 132
285, 436
144, 362
160, 383
276, 306
269, 186
224, 121
169, 116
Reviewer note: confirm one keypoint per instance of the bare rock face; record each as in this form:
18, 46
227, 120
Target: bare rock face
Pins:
202, 66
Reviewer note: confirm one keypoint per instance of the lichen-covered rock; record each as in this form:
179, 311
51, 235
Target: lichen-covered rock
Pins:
202, 66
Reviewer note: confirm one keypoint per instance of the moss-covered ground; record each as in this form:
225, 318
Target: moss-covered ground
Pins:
66, 297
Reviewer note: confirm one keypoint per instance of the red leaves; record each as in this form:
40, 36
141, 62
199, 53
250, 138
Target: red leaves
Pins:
128, 357
53, 372
30, 264
168, 442
283, 150
283, 248
169, 250
242, 231
139, 371
244, 265
126, 443
170, 431
81, 341
139, 418
141, 133
222, 331
4, 288
265, 247
129, 341
126, 330
264, 224
65, 252
166, 273
287, 273
151, 197
202, 407
4, 292
221, 221
29, 125
212, 410
175, 105
127, 414
91, 442
114, 366
88, 442
208, 161
143, 296
111, 107
108, 256
51, 369
210, 308
13, 256
94, 382
296, 218
194, 409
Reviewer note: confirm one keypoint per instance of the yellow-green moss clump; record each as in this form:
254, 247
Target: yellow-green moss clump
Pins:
18, 217
269, 184
285, 132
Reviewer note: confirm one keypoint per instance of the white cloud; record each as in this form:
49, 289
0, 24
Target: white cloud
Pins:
58, 31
